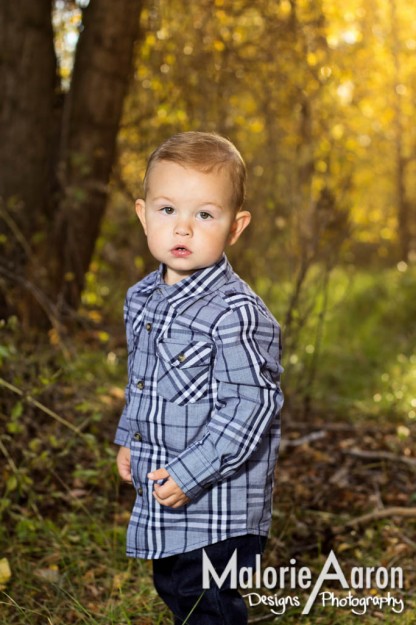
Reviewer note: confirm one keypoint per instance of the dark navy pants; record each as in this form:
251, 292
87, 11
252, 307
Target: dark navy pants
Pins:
178, 581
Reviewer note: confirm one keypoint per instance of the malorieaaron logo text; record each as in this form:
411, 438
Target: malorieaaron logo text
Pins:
291, 578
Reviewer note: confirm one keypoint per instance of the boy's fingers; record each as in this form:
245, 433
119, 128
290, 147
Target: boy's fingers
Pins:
123, 470
168, 494
125, 473
165, 500
123, 464
168, 489
165, 490
159, 474
126, 476
171, 501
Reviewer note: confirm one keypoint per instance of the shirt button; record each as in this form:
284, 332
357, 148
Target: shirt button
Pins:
140, 385
148, 326
138, 437
181, 357
140, 491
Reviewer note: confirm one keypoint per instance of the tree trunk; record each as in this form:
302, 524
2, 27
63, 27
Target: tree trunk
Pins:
403, 206
57, 151
28, 82
92, 115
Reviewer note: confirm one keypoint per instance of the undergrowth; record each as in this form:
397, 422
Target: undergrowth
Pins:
351, 348
63, 511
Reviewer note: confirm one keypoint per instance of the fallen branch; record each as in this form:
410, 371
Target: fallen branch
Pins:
303, 440
262, 619
328, 427
379, 455
383, 513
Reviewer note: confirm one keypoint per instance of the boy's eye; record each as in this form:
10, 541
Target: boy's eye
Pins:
168, 210
204, 215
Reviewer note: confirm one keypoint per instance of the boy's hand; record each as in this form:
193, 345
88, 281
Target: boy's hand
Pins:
168, 494
123, 464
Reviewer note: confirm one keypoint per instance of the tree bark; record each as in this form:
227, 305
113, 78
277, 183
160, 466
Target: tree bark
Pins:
57, 149
92, 115
403, 206
28, 82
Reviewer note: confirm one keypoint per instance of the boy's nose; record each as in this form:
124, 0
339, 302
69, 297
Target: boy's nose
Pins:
183, 228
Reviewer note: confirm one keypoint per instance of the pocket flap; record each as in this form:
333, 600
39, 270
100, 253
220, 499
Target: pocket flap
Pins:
195, 354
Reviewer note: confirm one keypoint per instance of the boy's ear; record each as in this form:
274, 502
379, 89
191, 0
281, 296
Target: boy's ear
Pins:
141, 213
240, 223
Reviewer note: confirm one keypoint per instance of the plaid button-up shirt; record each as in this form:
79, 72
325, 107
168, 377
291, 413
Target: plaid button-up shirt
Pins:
203, 401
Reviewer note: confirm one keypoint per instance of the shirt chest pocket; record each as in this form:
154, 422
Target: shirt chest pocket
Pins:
184, 370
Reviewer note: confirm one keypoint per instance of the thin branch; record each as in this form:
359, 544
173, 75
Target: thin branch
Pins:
34, 402
379, 455
46, 304
328, 427
303, 440
262, 619
16, 230
384, 513
8, 457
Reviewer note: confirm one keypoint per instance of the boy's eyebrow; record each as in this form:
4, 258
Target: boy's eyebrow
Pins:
214, 204
164, 198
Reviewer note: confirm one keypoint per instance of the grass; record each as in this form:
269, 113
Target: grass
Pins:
63, 513
371, 338
362, 361
73, 570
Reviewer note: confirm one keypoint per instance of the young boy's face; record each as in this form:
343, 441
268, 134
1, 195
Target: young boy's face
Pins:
188, 217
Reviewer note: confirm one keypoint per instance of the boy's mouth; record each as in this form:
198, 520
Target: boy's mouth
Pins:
180, 251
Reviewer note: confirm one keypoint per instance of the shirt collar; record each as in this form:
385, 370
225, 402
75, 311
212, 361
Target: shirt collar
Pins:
202, 281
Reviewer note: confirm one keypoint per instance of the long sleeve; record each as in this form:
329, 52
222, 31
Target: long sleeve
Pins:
247, 374
122, 435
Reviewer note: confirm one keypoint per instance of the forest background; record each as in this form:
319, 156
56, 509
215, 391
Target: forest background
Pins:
320, 97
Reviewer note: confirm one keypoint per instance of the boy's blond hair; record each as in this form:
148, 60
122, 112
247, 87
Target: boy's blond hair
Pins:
204, 151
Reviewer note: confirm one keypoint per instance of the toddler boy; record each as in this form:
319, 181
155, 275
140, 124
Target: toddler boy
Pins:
200, 430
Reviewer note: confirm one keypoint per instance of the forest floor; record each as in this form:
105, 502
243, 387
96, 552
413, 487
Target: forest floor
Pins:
341, 486
351, 489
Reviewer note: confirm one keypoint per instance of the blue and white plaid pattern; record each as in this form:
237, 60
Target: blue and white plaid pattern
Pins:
203, 401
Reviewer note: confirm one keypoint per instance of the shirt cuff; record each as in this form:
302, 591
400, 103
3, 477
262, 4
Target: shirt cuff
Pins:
193, 471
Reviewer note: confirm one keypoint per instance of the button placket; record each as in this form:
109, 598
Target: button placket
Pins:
148, 330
